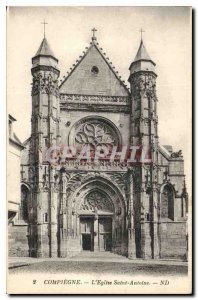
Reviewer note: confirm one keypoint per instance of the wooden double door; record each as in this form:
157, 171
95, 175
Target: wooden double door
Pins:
105, 233
99, 233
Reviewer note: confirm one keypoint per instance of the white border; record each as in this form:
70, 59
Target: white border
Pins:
3, 4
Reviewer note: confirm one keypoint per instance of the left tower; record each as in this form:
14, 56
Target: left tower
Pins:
45, 120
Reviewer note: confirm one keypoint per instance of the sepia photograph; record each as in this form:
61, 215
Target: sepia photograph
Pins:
99, 150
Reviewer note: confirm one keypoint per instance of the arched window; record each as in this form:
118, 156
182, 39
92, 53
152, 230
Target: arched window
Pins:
23, 212
167, 203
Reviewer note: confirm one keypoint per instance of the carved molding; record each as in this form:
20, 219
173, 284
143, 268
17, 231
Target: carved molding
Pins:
143, 85
92, 165
45, 85
94, 99
98, 108
121, 179
77, 179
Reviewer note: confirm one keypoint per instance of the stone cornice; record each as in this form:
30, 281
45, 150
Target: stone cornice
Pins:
95, 103
97, 108
94, 99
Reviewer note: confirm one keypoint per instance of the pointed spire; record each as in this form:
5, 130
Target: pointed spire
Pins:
142, 61
142, 53
45, 57
45, 49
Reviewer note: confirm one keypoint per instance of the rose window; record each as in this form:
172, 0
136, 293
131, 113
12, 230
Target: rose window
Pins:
96, 133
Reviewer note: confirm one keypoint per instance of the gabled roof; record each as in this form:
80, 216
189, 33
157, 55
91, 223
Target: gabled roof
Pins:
11, 118
45, 49
27, 141
94, 45
163, 150
14, 139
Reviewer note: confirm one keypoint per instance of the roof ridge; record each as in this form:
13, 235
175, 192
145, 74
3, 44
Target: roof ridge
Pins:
96, 44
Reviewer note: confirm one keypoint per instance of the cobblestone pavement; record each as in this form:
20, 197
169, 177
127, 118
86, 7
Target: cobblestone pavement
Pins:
107, 263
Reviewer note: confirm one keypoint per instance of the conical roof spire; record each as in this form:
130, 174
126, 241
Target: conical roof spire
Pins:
44, 56
142, 53
45, 49
142, 61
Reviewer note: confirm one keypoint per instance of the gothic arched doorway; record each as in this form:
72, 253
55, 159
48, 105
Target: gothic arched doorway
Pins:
96, 212
96, 218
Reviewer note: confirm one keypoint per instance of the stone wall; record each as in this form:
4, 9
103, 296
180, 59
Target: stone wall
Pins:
83, 80
18, 240
173, 240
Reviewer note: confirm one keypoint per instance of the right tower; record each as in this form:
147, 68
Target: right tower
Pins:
145, 135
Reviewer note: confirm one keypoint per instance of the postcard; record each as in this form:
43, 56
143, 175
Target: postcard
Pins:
99, 150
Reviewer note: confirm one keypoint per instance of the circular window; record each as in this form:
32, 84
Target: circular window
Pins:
94, 131
95, 70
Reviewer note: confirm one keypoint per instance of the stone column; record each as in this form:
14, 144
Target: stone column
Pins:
96, 236
53, 215
53, 225
146, 241
63, 246
156, 247
131, 229
156, 205
78, 225
39, 224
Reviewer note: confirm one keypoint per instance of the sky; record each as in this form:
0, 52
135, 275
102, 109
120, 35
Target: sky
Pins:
167, 38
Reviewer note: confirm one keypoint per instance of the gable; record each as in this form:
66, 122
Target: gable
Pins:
93, 76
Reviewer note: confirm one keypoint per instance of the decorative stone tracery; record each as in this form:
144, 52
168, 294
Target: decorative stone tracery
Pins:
95, 133
95, 99
96, 201
45, 84
143, 84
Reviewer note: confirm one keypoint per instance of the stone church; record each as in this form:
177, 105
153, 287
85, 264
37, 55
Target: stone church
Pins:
138, 210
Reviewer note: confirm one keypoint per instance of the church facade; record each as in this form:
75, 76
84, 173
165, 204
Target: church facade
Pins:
106, 198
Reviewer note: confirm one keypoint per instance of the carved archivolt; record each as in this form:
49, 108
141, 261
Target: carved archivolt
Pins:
76, 179
121, 179
79, 184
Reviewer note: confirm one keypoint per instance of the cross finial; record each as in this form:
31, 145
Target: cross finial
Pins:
94, 37
44, 23
141, 30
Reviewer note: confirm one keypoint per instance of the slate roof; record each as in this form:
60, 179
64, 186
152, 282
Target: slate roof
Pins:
142, 53
45, 49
